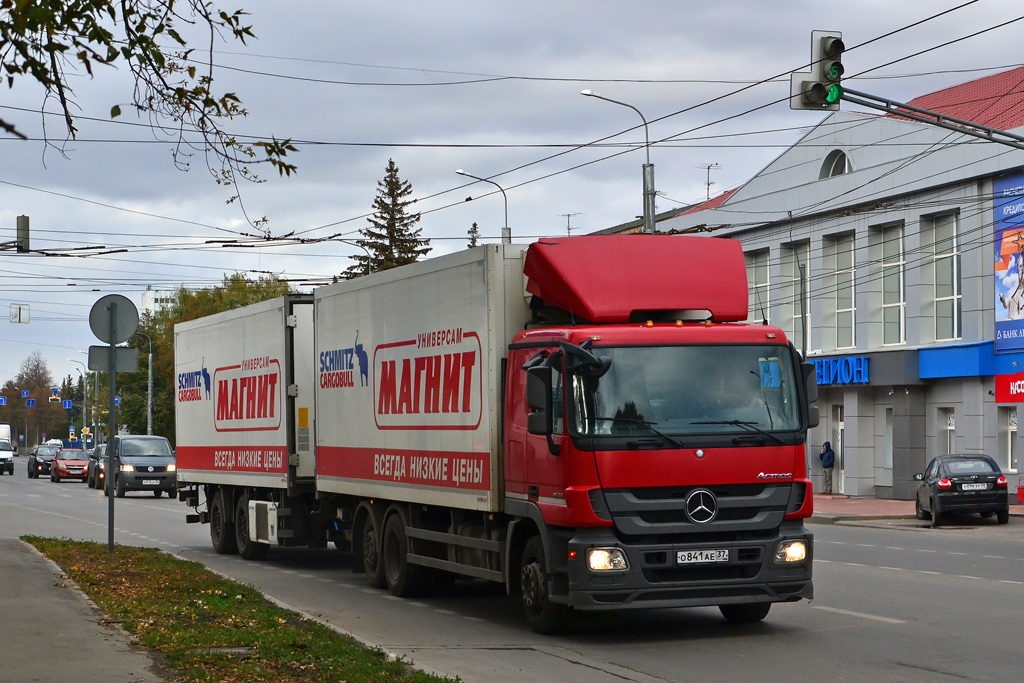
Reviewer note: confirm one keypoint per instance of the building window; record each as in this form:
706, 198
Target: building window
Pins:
845, 296
1008, 439
894, 300
947, 278
836, 163
757, 284
796, 256
947, 433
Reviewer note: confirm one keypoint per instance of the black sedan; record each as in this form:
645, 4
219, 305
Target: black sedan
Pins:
97, 467
962, 483
40, 459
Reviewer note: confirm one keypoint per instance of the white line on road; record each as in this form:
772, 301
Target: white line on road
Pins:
444, 611
925, 571
923, 550
865, 545
964, 554
854, 564
994, 557
816, 561
474, 618
862, 615
895, 569
892, 547
1016, 583
307, 576
964, 576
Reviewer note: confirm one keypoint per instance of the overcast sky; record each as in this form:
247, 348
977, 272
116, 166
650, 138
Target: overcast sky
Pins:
489, 87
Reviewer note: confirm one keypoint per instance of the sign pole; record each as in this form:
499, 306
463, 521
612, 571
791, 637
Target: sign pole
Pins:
111, 422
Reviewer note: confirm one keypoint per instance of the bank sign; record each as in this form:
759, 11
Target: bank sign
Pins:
846, 370
1010, 388
1008, 205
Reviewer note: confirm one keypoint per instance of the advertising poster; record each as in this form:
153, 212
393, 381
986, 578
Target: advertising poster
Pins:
1009, 262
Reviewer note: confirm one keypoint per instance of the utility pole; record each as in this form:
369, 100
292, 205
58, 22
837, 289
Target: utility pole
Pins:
568, 228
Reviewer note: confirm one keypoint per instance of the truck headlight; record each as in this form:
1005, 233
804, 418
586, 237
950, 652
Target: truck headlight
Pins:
791, 551
607, 560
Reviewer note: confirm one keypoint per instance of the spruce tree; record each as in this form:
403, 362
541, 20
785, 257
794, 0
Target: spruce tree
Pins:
474, 236
391, 239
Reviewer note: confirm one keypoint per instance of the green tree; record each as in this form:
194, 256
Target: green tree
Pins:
391, 240
45, 417
235, 291
474, 236
55, 43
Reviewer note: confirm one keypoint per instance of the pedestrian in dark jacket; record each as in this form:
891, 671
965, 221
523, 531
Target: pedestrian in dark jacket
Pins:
828, 461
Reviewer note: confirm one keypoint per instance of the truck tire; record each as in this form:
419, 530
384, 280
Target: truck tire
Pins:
542, 615
222, 530
404, 579
747, 613
247, 548
370, 542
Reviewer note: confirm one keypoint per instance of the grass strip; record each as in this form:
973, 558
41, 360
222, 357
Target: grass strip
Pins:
208, 628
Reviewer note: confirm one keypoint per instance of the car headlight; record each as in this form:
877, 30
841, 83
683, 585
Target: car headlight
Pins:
102, 465
606, 560
127, 468
791, 551
172, 467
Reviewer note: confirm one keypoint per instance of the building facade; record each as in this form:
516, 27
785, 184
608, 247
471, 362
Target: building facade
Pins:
890, 253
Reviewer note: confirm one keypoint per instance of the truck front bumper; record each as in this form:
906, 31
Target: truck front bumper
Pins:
656, 577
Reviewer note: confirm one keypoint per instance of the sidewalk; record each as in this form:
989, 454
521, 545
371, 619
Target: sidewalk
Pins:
52, 632
828, 509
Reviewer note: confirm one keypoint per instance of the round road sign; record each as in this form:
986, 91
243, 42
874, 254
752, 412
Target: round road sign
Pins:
125, 319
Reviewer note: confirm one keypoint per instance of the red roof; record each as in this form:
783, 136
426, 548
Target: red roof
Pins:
713, 203
996, 101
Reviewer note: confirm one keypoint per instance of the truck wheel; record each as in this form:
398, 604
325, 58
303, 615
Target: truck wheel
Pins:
247, 548
404, 579
543, 615
222, 531
745, 614
373, 565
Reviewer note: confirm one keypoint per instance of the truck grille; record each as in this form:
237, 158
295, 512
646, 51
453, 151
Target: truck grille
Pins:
743, 511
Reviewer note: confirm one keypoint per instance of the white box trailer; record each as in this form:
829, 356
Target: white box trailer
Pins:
410, 365
244, 403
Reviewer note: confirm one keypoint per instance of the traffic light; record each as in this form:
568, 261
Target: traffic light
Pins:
820, 88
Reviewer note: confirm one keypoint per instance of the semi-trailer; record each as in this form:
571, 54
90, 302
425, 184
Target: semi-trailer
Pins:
585, 420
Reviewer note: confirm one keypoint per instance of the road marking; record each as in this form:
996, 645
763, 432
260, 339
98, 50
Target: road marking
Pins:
288, 571
390, 597
419, 604
862, 615
836, 542
444, 611
307, 576
474, 618
865, 545
925, 571
854, 564
1016, 583
370, 591
994, 557
895, 569
922, 550
952, 553
964, 576
892, 547
816, 560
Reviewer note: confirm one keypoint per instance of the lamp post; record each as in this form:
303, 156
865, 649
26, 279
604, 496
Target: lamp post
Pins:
648, 167
149, 390
506, 232
361, 246
85, 395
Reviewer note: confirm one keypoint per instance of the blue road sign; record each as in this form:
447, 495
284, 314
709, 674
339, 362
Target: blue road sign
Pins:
117, 400
71, 429
31, 403
24, 393
67, 405
3, 400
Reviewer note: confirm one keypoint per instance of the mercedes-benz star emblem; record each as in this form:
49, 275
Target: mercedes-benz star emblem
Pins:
701, 506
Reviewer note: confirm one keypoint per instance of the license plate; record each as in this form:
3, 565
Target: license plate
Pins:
974, 487
150, 482
75, 471
702, 556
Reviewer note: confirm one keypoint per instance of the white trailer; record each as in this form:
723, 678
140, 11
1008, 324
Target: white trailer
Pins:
244, 412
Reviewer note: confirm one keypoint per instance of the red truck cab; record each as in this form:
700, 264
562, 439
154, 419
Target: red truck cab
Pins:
656, 443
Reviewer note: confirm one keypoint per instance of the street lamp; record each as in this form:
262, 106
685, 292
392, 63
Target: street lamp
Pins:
85, 395
648, 167
361, 246
506, 232
149, 391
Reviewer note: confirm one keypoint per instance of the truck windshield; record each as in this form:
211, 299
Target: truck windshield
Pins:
685, 390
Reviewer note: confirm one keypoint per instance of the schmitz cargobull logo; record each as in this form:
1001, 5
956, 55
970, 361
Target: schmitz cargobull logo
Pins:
431, 382
247, 396
194, 385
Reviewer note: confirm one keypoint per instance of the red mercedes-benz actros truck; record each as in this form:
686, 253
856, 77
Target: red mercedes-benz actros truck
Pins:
586, 420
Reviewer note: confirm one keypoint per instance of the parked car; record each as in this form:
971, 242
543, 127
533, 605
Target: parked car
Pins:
70, 463
142, 463
39, 459
97, 465
962, 483
7, 454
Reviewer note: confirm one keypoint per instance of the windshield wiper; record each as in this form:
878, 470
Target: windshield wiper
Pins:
645, 423
740, 423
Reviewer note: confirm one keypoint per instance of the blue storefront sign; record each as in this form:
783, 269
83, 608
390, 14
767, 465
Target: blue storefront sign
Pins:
845, 370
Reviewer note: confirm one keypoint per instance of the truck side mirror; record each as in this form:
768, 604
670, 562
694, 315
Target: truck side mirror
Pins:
538, 399
813, 418
810, 381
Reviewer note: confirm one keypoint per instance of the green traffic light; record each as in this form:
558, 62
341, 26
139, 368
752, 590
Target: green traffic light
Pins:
835, 93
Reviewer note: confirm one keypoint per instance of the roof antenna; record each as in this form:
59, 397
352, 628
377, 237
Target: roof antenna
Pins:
760, 304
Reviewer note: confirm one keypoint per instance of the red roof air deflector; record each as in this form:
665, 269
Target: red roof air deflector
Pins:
604, 278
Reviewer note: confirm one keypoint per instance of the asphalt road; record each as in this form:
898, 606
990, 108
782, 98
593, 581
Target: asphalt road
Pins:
895, 602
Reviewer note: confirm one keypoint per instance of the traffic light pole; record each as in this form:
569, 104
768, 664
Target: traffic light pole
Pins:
933, 118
